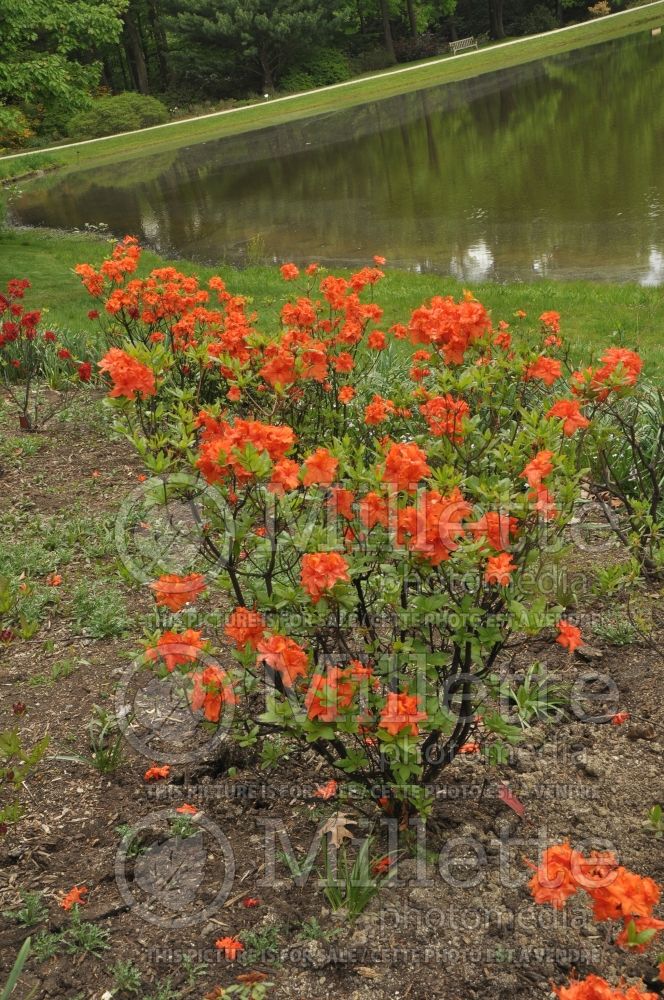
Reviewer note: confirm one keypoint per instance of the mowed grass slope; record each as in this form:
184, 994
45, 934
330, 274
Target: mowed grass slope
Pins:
360, 90
593, 315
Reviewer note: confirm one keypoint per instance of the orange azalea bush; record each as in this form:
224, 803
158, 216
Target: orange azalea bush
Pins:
32, 359
378, 547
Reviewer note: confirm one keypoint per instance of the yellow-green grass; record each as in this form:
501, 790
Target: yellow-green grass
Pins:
593, 315
377, 86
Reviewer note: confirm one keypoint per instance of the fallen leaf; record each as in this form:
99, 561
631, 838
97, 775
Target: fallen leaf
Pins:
510, 799
337, 827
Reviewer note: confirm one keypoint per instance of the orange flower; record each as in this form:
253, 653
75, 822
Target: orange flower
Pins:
250, 901
569, 636
570, 413
627, 363
320, 468
378, 410
374, 510
212, 690
289, 272
499, 569
595, 988
378, 260
284, 477
469, 748
327, 791
130, 378
155, 773
619, 718
231, 946
346, 394
520, 314
537, 470
382, 866
400, 712
548, 370
74, 897
553, 881
405, 465
496, 527
284, 656
551, 320
376, 340
187, 810
450, 326
341, 502
544, 502
445, 416
176, 648
328, 693
321, 571
174, 592
245, 628
54, 579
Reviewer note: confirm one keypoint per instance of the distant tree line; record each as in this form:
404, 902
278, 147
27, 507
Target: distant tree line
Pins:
57, 56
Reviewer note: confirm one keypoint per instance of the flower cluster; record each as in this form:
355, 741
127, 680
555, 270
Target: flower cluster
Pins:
617, 894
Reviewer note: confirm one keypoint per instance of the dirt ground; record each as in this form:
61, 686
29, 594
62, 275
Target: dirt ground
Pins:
457, 921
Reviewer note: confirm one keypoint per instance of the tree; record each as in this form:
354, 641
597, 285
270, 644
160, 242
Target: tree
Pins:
45, 67
266, 34
496, 18
387, 29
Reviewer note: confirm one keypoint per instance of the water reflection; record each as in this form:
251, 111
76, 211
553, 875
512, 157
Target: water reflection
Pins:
554, 169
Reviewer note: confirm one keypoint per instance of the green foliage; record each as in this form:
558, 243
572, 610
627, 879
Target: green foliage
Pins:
265, 35
43, 80
126, 977
537, 698
15, 974
122, 113
351, 887
16, 763
624, 448
106, 743
100, 611
33, 910
318, 68
84, 936
655, 821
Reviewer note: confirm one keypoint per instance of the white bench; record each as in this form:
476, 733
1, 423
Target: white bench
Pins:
462, 44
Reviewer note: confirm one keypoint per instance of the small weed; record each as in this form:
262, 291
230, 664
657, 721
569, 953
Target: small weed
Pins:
655, 821
131, 842
100, 611
32, 912
45, 946
60, 670
82, 935
261, 945
106, 743
617, 630
354, 887
537, 699
126, 977
183, 827
164, 991
193, 970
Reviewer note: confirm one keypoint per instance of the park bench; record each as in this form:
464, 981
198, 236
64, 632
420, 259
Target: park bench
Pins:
462, 44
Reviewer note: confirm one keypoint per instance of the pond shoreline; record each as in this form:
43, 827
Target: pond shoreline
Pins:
349, 93
593, 314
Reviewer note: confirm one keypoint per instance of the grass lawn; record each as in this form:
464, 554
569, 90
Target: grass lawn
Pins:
593, 315
377, 86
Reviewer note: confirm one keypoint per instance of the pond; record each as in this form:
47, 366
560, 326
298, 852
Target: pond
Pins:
554, 169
